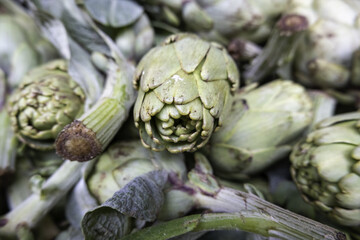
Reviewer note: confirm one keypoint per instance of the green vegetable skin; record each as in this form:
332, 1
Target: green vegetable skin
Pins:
261, 128
46, 101
326, 168
185, 90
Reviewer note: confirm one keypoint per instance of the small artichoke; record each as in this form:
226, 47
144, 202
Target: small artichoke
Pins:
326, 168
185, 90
126, 160
261, 128
46, 100
324, 57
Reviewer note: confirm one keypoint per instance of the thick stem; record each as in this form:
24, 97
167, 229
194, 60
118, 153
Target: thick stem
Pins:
8, 144
279, 48
284, 224
37, 205
88, 136
250, 221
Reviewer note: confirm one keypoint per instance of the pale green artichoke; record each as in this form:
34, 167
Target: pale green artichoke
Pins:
185, 91
21, 45
123, 161
324, 56
326, 168
261, 128
46, 101
126, 160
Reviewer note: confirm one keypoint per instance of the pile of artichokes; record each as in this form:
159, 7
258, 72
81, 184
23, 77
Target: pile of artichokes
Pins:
179, 119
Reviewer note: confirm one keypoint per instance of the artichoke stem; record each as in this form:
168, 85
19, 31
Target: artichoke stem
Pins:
355, 69
278, 222
86, 137
279, 49
36, 206
8, 145
77, 142
8, 140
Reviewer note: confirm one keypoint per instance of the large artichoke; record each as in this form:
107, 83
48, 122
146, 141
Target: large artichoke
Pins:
185, 89
46, 101
326, 168
260, 129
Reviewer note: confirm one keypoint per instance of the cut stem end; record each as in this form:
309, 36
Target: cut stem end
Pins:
76, 142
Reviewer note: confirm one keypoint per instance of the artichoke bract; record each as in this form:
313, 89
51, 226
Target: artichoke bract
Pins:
260, 129
326, 168
46, 100
185, 90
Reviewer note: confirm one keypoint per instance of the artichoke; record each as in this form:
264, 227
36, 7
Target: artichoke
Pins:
185, 90
20, 41
324, 56
261, 128
46, 101
326, 168
126, 160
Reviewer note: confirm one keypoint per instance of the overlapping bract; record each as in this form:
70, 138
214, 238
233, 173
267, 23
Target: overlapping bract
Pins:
326, 168
260, 129
46, 101
185, 90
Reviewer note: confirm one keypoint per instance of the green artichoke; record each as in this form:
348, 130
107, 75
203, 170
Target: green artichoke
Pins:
20, 42
324, 56
185, 90
261, 128
46, 101
326, 168
126, 160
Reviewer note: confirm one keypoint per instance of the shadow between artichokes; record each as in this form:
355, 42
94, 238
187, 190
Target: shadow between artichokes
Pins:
185, 91
326, 168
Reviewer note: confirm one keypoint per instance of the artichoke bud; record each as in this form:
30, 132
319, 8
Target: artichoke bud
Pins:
185, 90
124, 161
316, 65
261, 127
326, 168
46, 100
